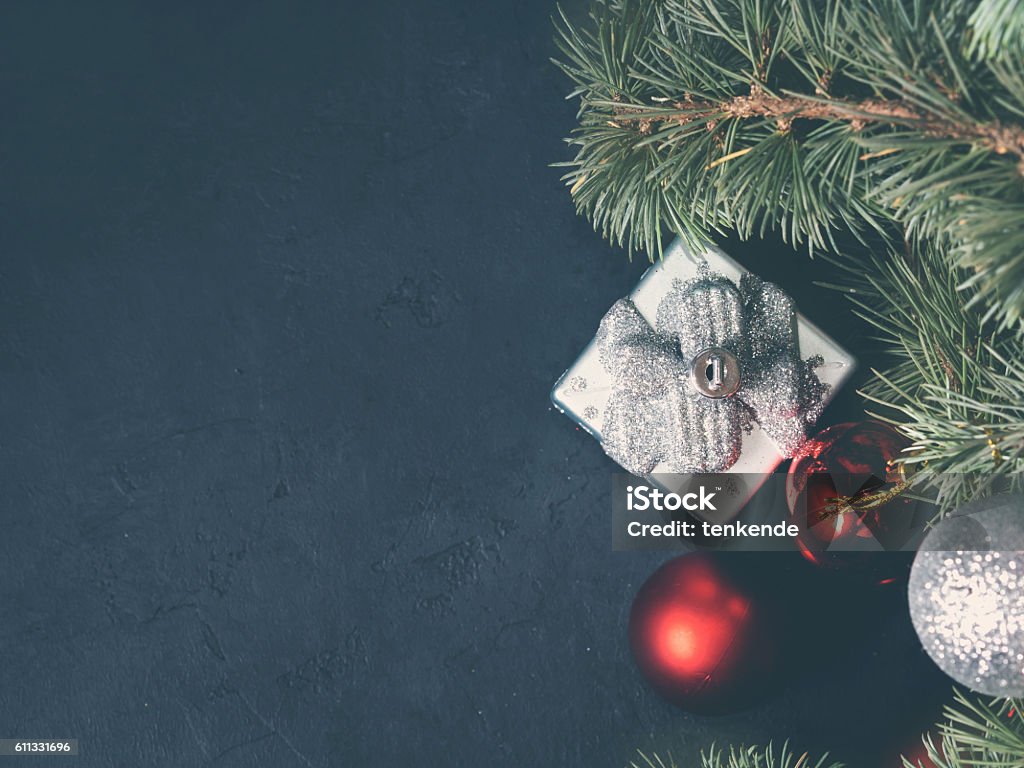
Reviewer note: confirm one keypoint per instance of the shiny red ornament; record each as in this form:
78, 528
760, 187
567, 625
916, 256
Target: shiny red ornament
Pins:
844, 462
916, 754
701, 635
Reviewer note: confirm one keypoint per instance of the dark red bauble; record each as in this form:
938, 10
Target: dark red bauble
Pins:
917, 755
701, 635
845, 461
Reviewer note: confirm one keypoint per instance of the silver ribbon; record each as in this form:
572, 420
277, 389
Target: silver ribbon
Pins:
657, 415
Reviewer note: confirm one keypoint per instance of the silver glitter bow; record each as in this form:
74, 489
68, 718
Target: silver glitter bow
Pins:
662, 411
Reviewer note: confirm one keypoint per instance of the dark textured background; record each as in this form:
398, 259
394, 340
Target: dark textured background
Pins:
283, 289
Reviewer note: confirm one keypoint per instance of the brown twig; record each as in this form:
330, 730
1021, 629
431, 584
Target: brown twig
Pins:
952, 380
863, 500
994, 136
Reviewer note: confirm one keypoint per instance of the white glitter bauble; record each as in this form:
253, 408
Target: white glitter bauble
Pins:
967, 595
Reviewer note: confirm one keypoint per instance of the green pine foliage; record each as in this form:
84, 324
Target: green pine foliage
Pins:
899, 122
973, 734
997, 30
952, 381
743, 757
978, 734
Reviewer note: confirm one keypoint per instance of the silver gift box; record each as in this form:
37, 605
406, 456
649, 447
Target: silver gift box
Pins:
583, 391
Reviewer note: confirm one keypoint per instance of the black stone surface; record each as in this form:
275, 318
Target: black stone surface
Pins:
283, 289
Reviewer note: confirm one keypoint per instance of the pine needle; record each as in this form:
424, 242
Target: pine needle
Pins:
727, 158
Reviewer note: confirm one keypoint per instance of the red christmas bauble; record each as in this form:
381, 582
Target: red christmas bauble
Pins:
701, 635
844, 462
917, 755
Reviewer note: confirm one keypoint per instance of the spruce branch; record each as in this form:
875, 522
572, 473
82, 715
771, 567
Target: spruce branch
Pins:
953, 381
883, 117
992, 136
